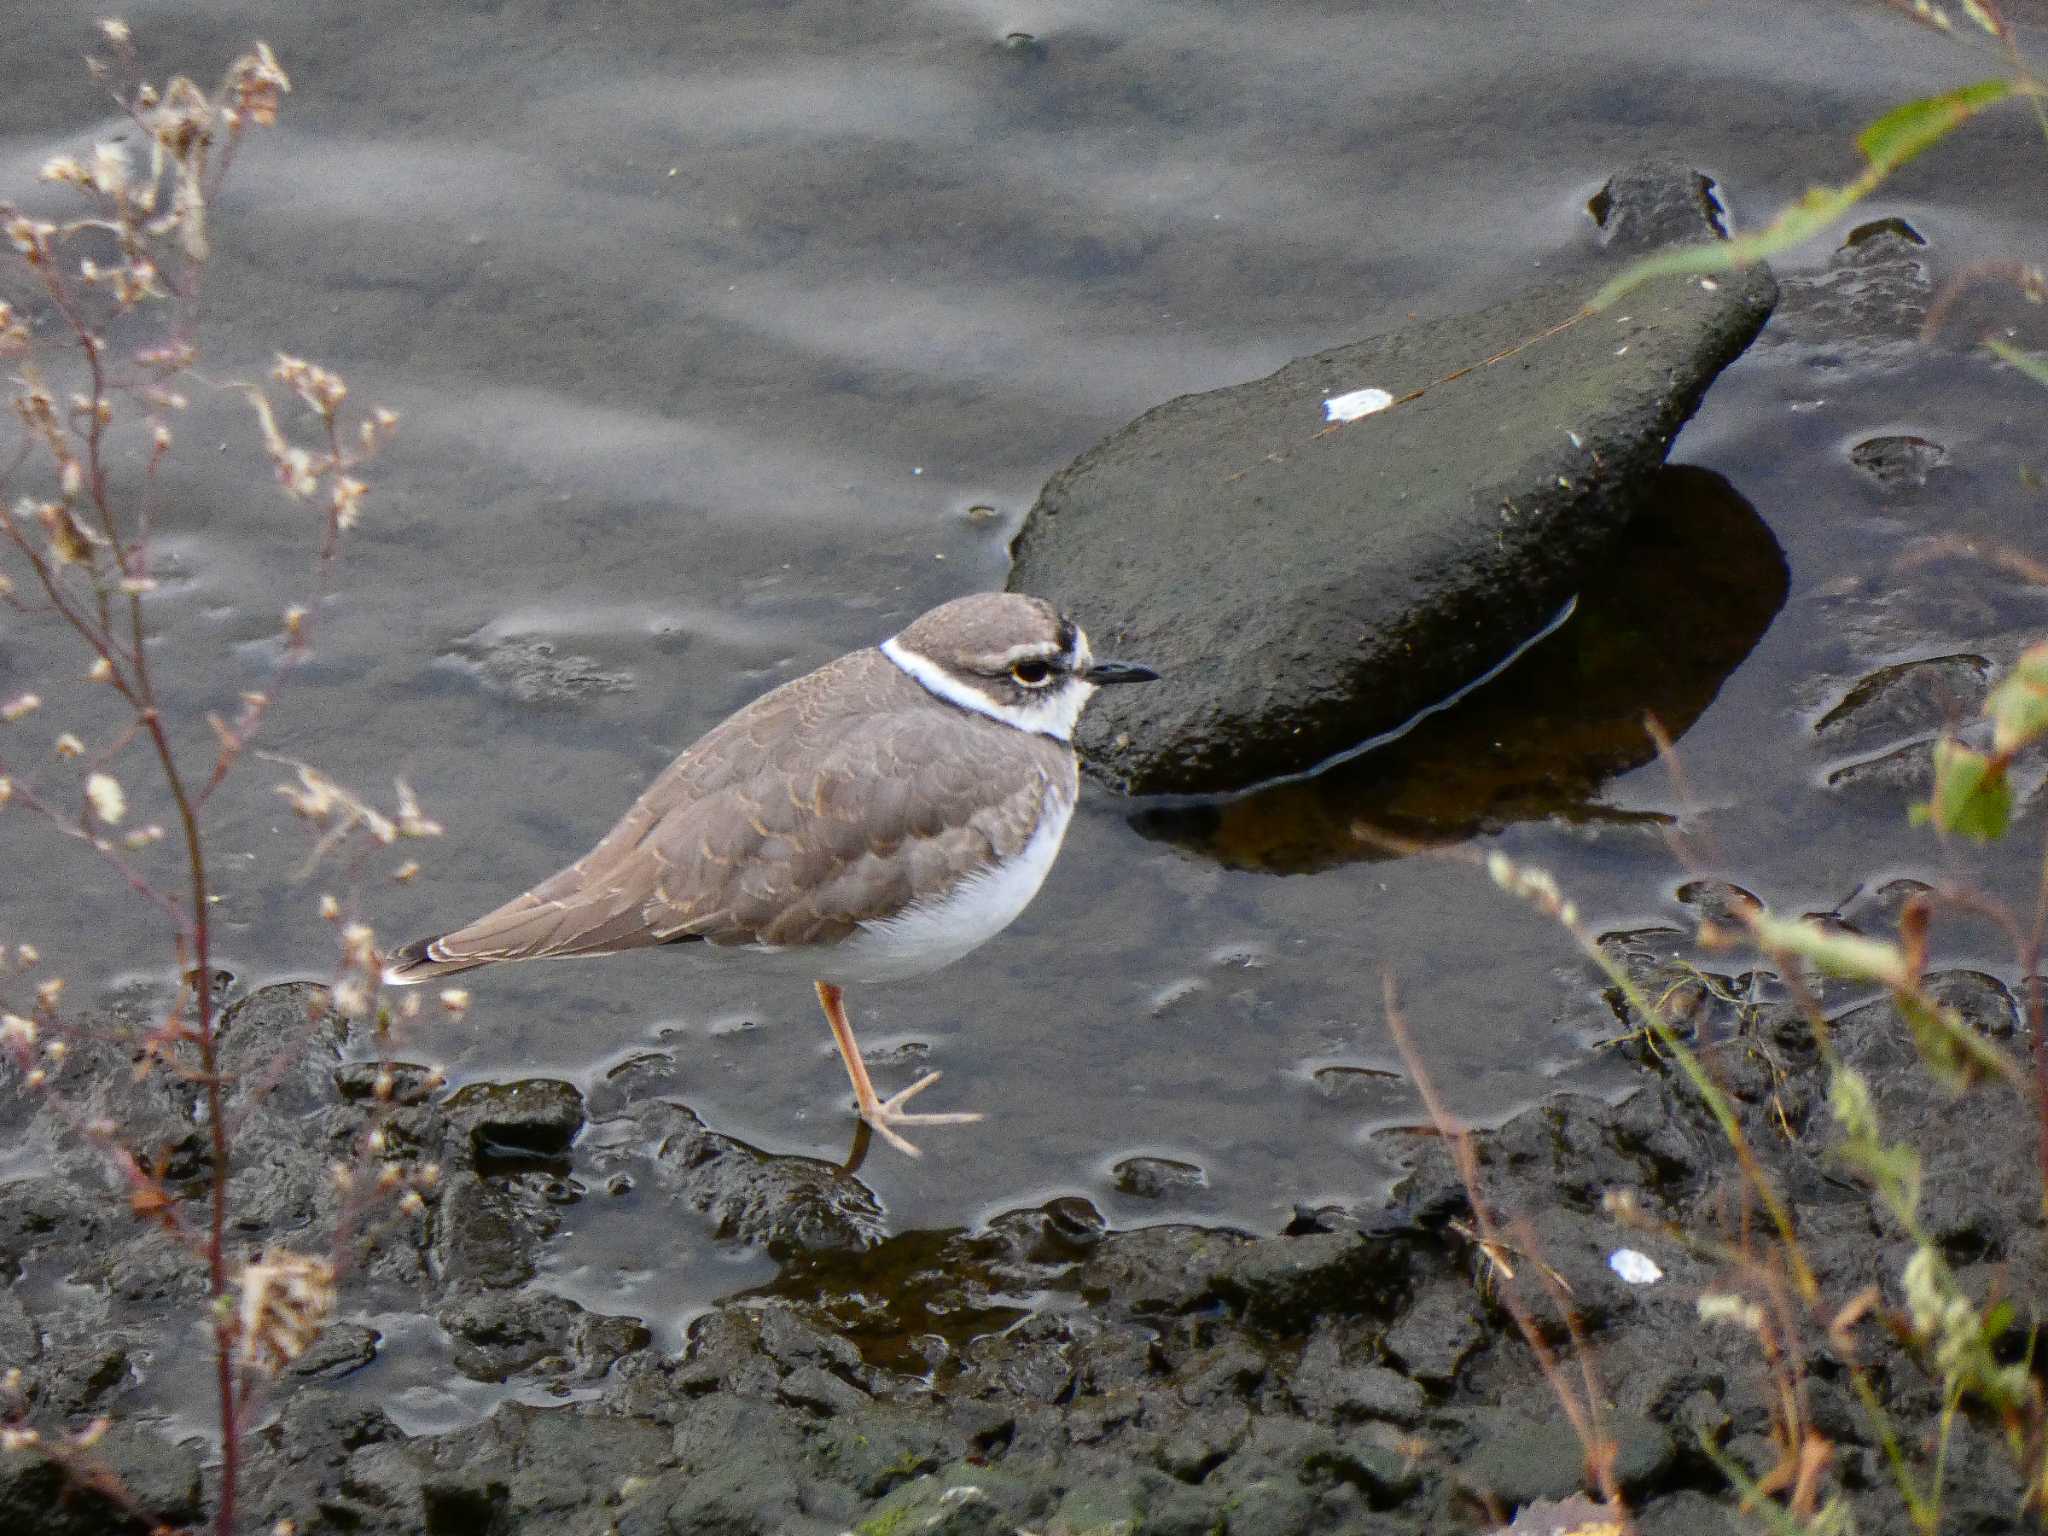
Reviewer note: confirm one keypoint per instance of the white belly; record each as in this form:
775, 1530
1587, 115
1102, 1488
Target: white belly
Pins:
936, 933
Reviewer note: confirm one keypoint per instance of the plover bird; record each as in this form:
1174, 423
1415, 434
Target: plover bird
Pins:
872, 820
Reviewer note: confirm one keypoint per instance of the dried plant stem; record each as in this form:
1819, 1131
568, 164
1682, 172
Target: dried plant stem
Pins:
1583, 1407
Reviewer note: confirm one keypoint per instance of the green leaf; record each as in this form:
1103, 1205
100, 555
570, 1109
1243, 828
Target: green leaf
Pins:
1794, 225
1832, 950
1905, 131
2018, 706
1972, 797
2033, 364
1953, 1052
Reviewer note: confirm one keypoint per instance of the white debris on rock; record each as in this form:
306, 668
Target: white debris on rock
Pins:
1636, 1268
1359, 402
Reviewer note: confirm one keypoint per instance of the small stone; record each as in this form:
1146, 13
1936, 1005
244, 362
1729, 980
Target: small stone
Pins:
340, 1349
1908, 698
1898, 464
479, 1238
537, 1117
1436, 1335
1158, 1178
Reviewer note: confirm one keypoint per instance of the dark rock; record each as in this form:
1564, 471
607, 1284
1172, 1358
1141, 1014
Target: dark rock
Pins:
1159, 1269
1230, 1371
1397, 557
960, 1501
526, 668
1157, 1178
1517, 1460
479, 1239
1902, 774
1434, 1337
1718, 901
281, 1044
1274, 1506
791, 1342
1203, 1441
1906, 699
498, 1336
1289, 1283
537, 1116
740, 1462
1384, 1475
1898, 464
340, 1349
1981, 1001
1866, 306
885, 1447
786, 1205
1332, 1388
1656, 203
409, 1086
815, 1388
156, 1478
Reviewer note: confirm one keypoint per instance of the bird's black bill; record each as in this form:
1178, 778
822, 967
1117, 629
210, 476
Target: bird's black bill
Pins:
1104, 673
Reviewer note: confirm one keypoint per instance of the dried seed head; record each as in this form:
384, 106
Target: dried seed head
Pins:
348, 499
17, 1031
255, 83
455, 999
21, 704
70, 543
286, 1300
69, 746
102, 671
406, 871
109, 801
359, 946
110, 168
330, 908
65, 170
412, 822
49, 991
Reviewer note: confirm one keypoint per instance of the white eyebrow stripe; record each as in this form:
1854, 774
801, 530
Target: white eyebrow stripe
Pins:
1037, 650
1052, 713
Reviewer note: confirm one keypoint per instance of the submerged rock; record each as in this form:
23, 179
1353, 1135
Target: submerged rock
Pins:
1304, 584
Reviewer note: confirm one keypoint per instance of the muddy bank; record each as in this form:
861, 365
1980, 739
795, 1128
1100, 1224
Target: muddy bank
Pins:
1358, 1372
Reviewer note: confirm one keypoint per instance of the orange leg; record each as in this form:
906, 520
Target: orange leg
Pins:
883, 1114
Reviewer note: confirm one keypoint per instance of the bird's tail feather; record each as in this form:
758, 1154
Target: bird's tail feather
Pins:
417, 962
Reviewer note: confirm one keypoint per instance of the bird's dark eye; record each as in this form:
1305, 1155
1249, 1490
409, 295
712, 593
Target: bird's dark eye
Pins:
1032, 674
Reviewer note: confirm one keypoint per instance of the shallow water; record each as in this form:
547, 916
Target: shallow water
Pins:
713, 327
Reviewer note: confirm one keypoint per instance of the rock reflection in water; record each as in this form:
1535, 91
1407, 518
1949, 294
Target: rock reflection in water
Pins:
1691, 587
